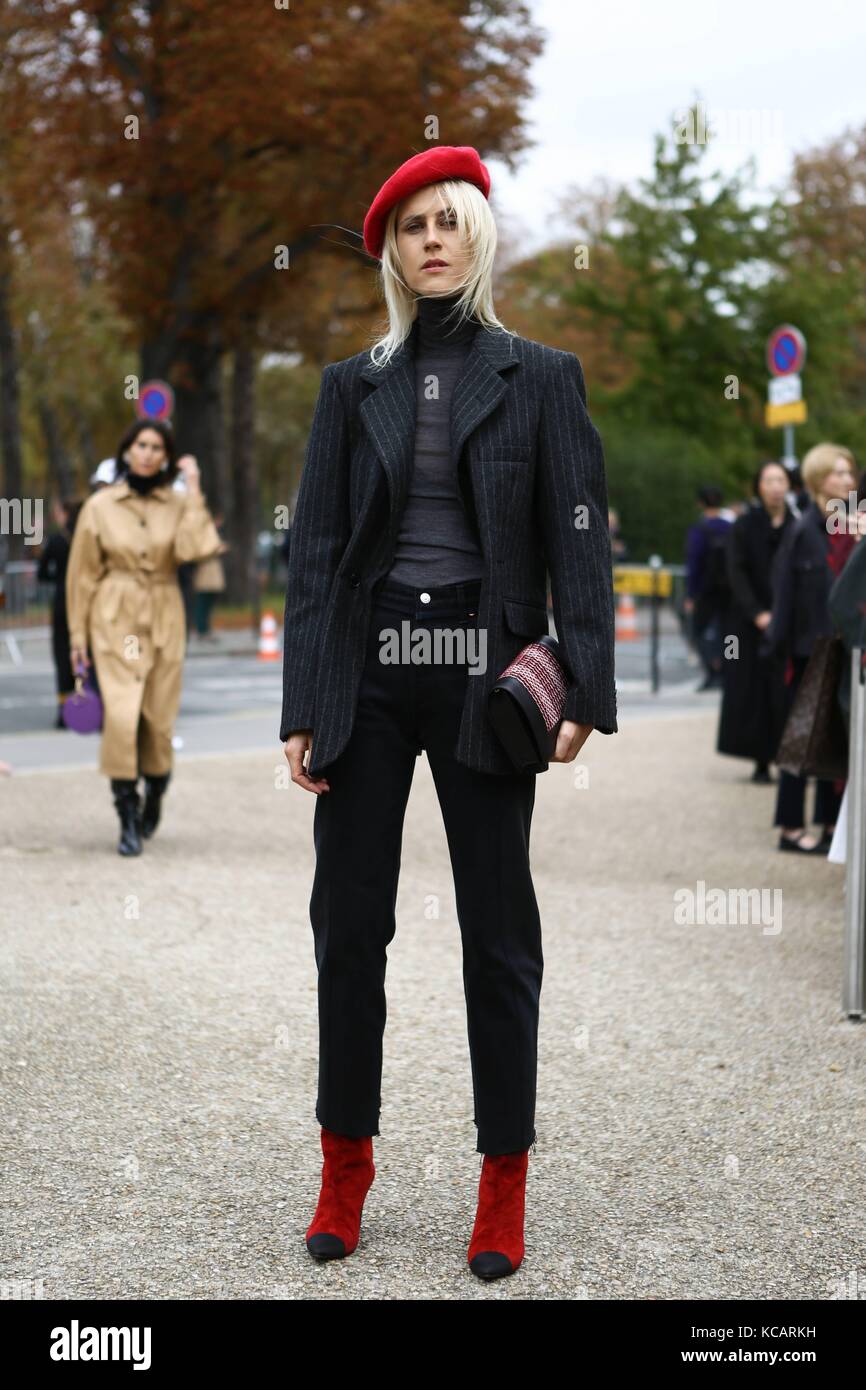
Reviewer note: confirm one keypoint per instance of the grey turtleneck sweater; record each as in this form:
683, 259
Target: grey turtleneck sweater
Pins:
436, 544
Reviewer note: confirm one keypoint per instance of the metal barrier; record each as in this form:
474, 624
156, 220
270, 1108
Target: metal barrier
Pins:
25, 606
854, 976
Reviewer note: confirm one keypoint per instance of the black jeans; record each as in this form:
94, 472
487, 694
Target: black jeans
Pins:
358, 827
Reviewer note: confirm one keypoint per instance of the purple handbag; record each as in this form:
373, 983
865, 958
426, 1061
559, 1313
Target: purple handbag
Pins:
82, 710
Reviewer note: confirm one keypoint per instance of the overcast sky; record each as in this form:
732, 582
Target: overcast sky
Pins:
612, 74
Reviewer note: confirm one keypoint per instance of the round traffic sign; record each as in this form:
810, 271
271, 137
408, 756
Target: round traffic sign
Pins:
155, 401
786, 350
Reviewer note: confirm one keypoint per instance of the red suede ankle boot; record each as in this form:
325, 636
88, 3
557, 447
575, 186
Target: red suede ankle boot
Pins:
496, 1247
347, 1173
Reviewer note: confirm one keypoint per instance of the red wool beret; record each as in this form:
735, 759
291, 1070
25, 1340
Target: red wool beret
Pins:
430, 166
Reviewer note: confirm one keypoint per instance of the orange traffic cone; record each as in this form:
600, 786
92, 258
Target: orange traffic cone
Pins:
268, 648
626, 619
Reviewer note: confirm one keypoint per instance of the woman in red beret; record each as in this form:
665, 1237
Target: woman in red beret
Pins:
450, 468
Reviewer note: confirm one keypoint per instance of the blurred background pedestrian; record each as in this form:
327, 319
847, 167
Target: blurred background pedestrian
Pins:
209, 581
707, 587
52, 570
753, 706
812, 555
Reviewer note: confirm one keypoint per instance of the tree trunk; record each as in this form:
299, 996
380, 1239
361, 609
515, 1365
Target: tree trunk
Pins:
244, 521
86, 451
193, 367
59, 462
10, 402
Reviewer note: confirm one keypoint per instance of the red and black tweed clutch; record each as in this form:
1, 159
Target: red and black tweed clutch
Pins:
525, 704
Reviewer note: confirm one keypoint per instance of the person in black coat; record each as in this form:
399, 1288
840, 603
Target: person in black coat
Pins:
707, 592
52, 570
812, 555
753, 703
847, 606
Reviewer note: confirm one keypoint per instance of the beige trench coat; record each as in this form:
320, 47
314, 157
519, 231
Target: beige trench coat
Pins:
124, 604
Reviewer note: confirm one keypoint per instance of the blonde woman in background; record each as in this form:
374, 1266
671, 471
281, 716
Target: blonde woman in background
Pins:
811, 556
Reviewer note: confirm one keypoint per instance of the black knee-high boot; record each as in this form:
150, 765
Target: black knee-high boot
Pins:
153, 792
125, 793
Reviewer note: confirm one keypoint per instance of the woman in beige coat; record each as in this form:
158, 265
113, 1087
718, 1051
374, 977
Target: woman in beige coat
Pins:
125, 605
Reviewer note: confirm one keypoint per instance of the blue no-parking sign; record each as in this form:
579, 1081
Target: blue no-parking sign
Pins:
155, 401
786, 350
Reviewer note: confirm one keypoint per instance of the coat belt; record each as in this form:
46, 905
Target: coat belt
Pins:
139, 575
145, 617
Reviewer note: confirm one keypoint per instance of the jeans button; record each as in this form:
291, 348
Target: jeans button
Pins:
425, 598
354, 580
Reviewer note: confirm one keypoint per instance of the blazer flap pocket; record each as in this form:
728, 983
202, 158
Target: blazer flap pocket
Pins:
526, 619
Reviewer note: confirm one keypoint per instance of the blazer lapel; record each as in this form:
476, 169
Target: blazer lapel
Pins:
388, 412
480, 388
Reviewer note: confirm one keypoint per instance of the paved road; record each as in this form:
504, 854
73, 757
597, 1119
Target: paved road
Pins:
231, 699
700, 1119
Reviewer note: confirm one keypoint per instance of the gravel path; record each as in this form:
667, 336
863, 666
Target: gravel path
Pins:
701, 1127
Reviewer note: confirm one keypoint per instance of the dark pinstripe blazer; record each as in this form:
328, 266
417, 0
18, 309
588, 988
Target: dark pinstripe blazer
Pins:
531, 474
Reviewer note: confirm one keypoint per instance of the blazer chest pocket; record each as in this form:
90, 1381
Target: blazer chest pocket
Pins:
526, 619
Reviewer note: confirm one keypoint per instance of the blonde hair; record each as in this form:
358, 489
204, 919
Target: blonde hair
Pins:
477, 231
819, 462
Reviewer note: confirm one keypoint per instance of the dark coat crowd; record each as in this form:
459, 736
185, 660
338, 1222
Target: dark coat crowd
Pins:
762, 589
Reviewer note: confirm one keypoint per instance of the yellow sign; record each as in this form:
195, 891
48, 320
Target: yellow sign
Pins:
794, 413
628, 580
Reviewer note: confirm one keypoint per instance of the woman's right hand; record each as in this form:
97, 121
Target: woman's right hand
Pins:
78, 656
295, 747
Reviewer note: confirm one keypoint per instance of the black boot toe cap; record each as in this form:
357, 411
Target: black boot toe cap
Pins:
490, 1264
324, 1246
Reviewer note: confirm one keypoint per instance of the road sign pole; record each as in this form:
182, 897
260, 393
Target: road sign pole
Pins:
790, 458
655, 564
854, 983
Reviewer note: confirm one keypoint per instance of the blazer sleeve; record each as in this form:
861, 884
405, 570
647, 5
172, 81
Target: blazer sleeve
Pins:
570, 475
319, 535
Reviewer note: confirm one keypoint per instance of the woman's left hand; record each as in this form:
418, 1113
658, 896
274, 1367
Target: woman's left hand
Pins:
570, 740
188, 467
